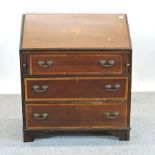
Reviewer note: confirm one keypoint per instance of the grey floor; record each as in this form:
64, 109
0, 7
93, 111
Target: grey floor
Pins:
142, 134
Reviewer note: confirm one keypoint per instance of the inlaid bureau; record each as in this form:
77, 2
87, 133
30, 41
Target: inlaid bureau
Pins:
75, 74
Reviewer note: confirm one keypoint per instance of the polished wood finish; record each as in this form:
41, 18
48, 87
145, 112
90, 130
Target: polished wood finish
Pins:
75, 31
73, 63
76, 88
76, 115
75, 74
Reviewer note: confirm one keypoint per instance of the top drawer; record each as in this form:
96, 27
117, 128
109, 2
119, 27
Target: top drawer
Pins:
73, 63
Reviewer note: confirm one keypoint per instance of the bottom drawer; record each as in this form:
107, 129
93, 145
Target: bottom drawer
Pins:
76, 116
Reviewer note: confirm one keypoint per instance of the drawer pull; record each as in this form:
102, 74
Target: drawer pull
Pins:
40, 89
110, 87
107, 63
111, 115
40, 116
45, 64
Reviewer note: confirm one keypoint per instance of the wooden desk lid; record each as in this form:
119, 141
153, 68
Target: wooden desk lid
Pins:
75, 31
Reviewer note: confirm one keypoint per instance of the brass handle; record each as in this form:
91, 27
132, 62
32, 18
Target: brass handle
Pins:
107, 63
111, 115
45, 64
110, 87
40, 89
40, 116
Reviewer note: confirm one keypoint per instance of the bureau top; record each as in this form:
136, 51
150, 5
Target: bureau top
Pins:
75, 31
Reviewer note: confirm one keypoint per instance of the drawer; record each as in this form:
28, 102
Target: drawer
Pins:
77, 64
76, 115
76, 88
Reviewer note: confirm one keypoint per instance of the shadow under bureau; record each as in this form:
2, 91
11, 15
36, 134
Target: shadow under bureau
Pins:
75, 74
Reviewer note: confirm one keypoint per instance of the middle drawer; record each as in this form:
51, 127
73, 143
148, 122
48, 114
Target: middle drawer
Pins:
75, 88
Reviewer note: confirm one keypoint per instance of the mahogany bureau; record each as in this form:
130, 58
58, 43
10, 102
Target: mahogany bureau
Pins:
75, 74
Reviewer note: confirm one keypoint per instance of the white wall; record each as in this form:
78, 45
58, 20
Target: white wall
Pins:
141, 22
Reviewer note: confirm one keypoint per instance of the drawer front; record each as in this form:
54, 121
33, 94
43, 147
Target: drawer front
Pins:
76, 115
73, 88
77, 64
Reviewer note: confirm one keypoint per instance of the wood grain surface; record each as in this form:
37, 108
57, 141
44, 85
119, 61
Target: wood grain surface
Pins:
75, 63
76, 115
75, 31
82, 88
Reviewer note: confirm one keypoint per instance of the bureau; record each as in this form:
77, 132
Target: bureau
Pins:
75, 74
